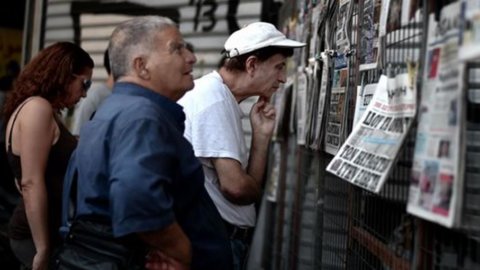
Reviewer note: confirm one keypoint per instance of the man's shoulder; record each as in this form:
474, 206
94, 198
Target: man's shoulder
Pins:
128, 108
207, 90
98, 92
212, 78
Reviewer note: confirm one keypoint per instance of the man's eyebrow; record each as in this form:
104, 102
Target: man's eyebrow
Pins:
174, 44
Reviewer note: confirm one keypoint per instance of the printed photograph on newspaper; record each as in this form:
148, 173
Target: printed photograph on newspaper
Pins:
368, 154
437, 177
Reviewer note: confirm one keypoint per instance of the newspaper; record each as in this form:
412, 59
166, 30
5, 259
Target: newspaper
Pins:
273, 179
409, 7
282, 101
301, 105
341, 34
320, 118
313, 95
470, 41
437, 178
369, 38
368, 154
336, 115
364, 96
394, 17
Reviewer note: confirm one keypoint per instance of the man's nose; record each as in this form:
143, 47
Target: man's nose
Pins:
282, 77
191, 58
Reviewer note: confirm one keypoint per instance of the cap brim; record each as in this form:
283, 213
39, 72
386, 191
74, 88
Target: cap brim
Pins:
288, 43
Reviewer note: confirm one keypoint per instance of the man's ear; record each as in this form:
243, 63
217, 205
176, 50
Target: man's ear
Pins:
251, 64
140, 68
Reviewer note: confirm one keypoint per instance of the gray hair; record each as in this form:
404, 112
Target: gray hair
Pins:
132, 38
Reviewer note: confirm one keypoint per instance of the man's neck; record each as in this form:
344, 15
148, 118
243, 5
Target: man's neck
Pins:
237, 82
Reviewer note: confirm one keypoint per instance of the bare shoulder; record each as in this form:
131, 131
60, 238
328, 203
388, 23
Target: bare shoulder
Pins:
37, 108
37, 113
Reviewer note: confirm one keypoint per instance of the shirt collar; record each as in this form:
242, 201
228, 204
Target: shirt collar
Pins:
175, 110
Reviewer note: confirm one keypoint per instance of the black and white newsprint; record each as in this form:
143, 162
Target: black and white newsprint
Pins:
367, 156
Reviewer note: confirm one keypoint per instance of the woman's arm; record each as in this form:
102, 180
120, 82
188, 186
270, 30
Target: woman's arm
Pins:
37, 132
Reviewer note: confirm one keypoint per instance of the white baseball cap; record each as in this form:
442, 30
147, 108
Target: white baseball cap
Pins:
256, 36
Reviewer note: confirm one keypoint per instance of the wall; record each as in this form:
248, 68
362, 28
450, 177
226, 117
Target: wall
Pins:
203, 23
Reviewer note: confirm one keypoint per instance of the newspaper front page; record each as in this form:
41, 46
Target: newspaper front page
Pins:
367, 156
336, 117
364, 96
369, 38
437, 179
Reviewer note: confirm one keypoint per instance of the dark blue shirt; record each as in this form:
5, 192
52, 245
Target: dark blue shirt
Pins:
137, 171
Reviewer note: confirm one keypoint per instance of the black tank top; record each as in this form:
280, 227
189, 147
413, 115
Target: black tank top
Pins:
56, 167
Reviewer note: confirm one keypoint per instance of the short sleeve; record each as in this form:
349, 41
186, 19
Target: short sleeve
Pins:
142, 164
216, 132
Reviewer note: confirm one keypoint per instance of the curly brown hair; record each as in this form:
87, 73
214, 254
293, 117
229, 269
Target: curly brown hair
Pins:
48, 75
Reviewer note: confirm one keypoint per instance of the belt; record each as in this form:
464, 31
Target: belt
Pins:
235, 232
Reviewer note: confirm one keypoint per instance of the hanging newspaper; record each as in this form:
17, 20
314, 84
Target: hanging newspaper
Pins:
321, 114
282, 101
324, 86
341, 35
470, 41
273, 179
302, 103
367, 156
364, 96
336, 117
437, 178
409, 9
369, 39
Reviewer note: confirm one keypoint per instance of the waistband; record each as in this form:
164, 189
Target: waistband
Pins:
243, 234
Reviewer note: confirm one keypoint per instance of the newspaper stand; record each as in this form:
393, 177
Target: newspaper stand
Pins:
319, 221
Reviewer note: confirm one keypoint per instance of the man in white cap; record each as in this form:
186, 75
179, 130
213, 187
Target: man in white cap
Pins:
254, 66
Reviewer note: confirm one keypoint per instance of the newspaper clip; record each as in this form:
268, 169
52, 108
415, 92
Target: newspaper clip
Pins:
331, 53
350, 52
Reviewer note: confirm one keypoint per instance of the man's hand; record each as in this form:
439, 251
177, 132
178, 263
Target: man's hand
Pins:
157, 260
262, 118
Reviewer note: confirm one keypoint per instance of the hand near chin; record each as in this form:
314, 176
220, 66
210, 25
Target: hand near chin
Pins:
157, 260
262, 117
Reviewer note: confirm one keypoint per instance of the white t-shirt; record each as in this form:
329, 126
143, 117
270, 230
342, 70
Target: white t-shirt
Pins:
88, 105
213, 126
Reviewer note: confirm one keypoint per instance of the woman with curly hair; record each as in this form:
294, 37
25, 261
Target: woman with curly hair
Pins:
39, 146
